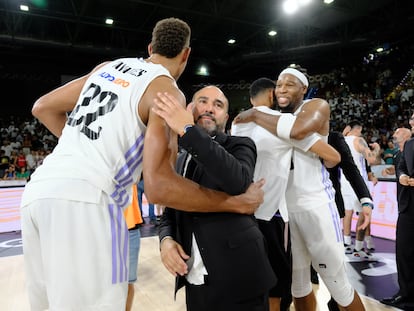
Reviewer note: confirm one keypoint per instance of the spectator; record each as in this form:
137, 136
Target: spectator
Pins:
389, 153
21, 160
10, 173
4, 162
22, 173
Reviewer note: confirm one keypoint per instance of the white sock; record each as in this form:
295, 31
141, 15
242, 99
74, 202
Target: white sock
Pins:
359, 245
347, 239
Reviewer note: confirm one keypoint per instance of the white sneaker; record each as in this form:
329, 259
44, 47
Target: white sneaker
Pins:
363, 255
349, 248
370, 243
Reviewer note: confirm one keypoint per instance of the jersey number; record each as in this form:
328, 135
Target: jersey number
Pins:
77, 118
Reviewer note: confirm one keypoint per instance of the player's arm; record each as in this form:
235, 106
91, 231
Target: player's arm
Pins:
312, 118
163, 185
390, 170
330, 155
265, 120
51, 109
313, 143
373, 156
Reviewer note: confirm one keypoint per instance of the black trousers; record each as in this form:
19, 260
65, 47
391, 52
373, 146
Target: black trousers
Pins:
405, 252
204, 298
280, 256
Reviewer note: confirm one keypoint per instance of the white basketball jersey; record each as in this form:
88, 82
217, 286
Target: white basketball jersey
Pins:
273, 163
103, 139
309, 184
359, 160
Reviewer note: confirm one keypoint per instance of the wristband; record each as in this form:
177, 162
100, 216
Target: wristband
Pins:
185, 129
368, 204
284, 125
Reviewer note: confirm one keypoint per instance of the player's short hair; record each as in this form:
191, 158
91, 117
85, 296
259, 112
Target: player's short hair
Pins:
261, 85
355, 123
170, 36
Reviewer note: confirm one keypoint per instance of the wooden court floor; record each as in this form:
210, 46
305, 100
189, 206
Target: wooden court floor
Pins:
154, 288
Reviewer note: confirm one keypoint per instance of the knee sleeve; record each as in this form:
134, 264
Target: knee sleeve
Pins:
301, 284
340, 288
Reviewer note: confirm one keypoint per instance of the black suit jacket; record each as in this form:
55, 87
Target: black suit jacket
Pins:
231, 245
350, 170
406, 166
396, 160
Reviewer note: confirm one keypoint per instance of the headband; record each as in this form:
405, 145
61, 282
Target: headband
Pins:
297, 74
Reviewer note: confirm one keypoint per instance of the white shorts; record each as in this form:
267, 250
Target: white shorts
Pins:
316, 238
76, 255
351, 201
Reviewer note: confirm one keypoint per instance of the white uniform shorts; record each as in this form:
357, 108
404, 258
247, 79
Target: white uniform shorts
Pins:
76, 255
316, 238
351, 201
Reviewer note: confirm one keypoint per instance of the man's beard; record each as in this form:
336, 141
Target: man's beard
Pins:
210, 130
289, 108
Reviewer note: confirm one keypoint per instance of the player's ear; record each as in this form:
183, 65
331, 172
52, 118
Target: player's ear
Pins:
190, 107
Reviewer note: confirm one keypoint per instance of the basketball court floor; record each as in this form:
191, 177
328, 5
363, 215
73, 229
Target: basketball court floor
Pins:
155, 286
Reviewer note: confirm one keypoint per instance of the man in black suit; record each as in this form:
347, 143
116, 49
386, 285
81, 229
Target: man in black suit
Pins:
404, 299
228, 268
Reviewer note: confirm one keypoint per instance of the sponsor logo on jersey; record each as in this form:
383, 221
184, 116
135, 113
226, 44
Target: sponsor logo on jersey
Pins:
113, 79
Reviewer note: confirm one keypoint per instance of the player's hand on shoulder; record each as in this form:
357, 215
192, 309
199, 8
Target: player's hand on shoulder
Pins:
245, 116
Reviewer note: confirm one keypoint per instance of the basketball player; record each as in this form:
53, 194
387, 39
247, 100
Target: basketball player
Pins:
360, 152
75, 238
313, 217
273, 164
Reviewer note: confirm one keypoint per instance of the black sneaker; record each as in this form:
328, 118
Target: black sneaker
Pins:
333, 305
314, 276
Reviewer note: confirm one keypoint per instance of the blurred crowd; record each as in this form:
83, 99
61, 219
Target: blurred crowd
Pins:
380, 97
25, 143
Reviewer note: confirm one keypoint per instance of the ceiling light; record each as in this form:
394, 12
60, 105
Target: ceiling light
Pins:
203, 71
272, 33
231, 41
379, 50
24, 8
328, 1
109, 21
290, 6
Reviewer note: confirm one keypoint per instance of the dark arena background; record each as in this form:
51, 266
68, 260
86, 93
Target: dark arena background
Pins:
359, 56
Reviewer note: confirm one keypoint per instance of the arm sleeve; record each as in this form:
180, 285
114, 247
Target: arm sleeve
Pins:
401, 168
167, 224
231, 168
